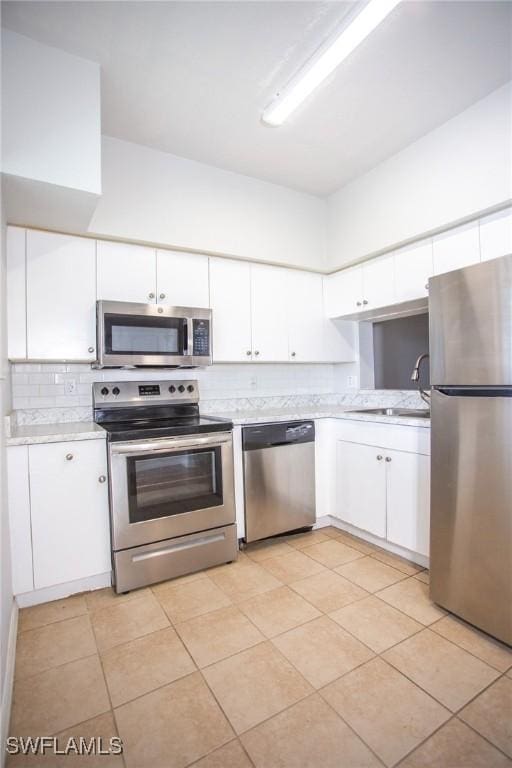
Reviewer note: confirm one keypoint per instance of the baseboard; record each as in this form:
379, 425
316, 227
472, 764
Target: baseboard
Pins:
5, 705
59, 591
414, 557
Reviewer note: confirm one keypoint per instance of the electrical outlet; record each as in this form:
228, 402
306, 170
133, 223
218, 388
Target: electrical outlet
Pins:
352, 382
70, 387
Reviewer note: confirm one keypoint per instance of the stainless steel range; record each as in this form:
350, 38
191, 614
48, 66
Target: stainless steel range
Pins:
171, 484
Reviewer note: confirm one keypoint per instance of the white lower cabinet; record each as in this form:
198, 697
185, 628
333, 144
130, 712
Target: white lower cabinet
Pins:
361, 477
69, 511
18, 502
382, 483
408, 500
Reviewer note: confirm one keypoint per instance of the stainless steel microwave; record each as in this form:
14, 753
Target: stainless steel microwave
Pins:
152, 335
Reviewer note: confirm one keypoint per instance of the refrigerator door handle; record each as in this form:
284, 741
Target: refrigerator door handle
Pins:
475, 391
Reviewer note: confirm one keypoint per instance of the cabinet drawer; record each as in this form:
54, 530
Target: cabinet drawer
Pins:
392, 436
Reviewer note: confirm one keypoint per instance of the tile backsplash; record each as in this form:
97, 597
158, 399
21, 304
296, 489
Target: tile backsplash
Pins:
63, 386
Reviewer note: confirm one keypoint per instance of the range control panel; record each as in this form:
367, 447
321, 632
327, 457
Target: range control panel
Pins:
201, 337
123, 393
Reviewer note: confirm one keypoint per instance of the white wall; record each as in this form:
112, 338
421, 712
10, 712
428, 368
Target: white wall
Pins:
6, 596
160, 198
51, 128
454, 172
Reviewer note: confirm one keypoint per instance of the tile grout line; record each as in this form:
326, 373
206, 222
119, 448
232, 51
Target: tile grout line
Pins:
112, 710
236, 605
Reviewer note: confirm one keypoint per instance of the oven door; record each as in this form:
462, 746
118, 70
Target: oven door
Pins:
170, 487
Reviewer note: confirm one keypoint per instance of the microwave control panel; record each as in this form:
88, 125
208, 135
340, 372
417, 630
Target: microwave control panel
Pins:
201, 337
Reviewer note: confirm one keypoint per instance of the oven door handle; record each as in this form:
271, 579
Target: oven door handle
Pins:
173, 444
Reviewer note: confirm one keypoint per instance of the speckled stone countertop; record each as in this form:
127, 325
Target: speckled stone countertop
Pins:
55, 433
318, 412
29, 434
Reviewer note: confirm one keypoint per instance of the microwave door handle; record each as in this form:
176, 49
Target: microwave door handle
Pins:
186, 350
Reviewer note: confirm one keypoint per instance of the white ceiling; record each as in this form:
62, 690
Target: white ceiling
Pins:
192, 78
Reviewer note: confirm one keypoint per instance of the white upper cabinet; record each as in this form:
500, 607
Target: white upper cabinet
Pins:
269, 315
379, 282
496, 235
230, 298
126, 272
413, 268
457, 248
69, 511
16, 298
344, 292
305, 316
61, 296
182, 279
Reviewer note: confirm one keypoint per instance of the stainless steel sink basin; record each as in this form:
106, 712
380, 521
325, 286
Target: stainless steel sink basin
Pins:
406, 413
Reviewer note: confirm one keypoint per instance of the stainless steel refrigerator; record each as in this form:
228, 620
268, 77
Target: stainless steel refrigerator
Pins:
471, 498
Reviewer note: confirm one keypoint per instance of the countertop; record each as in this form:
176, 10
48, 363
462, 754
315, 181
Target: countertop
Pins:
326, 412
88, 430
55, 433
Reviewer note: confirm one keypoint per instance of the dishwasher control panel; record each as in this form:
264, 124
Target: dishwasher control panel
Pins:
259, 436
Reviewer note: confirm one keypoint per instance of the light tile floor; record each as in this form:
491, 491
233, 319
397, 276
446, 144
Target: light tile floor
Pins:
311, 651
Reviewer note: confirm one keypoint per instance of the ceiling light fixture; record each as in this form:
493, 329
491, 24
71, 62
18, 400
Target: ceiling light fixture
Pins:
326, 59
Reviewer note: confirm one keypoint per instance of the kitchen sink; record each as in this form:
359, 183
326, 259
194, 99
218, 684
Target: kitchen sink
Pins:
406, 413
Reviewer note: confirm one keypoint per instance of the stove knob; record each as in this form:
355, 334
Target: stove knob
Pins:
190, 388
116, 391
172, 389
181, 388
104, 391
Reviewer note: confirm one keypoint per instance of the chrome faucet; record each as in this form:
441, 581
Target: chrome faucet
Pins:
415, 376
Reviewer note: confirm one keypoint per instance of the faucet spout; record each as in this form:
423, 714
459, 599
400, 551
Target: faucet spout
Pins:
415, 377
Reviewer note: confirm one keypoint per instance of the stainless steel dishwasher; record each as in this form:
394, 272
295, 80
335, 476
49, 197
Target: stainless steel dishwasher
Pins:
279, 476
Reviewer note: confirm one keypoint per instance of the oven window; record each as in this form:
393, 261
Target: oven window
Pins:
173, 483
136, 335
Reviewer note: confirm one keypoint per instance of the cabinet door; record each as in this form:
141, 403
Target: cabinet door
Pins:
496, 235
230, 297
305, 316
361, 487
344, 292
126, 272
61, 297
413, 268
379, 282
16, 297
408, 499
18, 505
69, 509
456, 249
269, 287
182, 279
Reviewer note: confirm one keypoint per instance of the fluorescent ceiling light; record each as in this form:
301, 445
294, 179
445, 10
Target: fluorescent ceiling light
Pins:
326, 59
